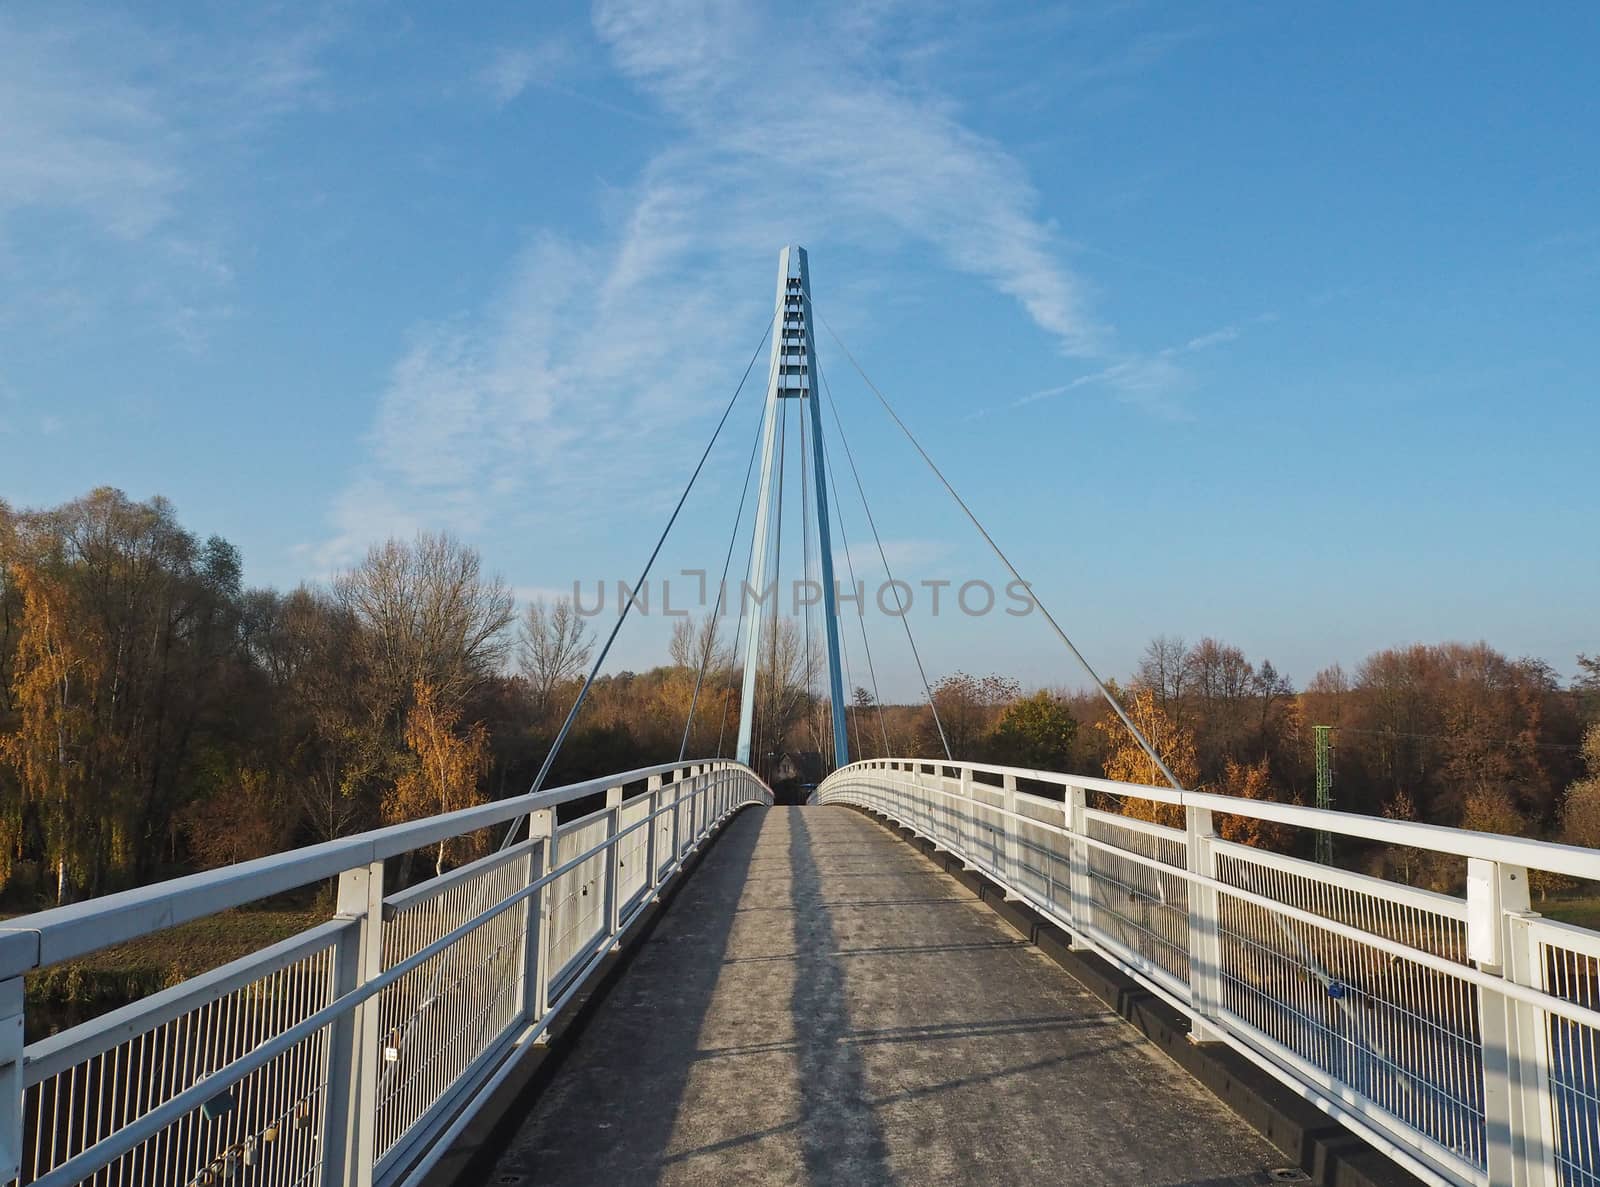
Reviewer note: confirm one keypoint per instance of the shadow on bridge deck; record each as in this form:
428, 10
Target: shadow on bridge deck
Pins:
821, 1005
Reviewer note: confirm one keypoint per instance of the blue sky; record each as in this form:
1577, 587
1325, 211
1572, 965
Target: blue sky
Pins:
1273, 322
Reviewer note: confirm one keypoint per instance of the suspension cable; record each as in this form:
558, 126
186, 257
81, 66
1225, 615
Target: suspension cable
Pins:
722, 589
622, 615
882, 556
774, 689
852, 720
740, 631
861, 611
577, 704
1105, 692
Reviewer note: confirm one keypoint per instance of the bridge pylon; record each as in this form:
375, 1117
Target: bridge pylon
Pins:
792, 375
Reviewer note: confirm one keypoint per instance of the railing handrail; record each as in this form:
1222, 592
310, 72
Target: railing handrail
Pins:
1554, 857
58, 934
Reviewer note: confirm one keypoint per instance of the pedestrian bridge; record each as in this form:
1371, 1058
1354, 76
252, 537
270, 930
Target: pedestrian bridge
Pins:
663, 978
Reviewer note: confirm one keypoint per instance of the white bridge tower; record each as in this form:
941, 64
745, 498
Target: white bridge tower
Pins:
792, 376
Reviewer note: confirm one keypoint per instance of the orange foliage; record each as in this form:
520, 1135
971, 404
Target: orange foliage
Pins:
1127, 761
448, 765
1250, 781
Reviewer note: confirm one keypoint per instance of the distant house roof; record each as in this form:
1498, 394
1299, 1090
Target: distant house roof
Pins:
802, 765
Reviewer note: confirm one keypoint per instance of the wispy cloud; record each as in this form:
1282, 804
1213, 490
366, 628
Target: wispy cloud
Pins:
106, 124
603, 353
566, 380
908, 559
512, 69
1157, 378
1205, 341
848, 153
73, 138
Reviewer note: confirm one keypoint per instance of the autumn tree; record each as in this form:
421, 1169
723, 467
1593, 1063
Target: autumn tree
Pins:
699, 657
50, 746
783, 702
1450, 722
867, 718
698, 643
1222, 684
1127, 761
1037, 732
969, 707
11, 606
339, 758
1402, 861
449, 764
1165, 670
1250, 781
427, 613
128, 626
553, 649
1580, 812
1490, 810
244, 822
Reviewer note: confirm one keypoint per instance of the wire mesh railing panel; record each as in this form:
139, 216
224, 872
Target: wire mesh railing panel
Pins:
985, 840
1420, 919
1571, 970
1043, 864
666, 830
902, 794
1400, 1033
440, 1017
262, 1130
577, 911
1135, 903
633, 862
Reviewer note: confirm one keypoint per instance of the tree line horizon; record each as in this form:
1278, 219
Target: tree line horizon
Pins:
157, 716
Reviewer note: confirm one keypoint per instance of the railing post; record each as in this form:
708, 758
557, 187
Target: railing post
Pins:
955, 817
349, 1123
536, 944
1516, 1089
1079, 893
11, 1047
652, 831
1205, 948
677, 819
1013, 846
691, 802
613, 902
1531, 1027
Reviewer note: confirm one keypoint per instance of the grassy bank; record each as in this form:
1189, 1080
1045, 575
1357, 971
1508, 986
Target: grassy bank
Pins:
1583, 912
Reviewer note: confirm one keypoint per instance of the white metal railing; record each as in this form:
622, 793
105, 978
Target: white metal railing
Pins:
1460, 1035
353, 1052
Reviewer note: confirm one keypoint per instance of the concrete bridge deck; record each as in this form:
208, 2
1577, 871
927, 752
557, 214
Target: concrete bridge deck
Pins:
822, 1005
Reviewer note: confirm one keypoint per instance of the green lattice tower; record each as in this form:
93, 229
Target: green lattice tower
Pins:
1323, 735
